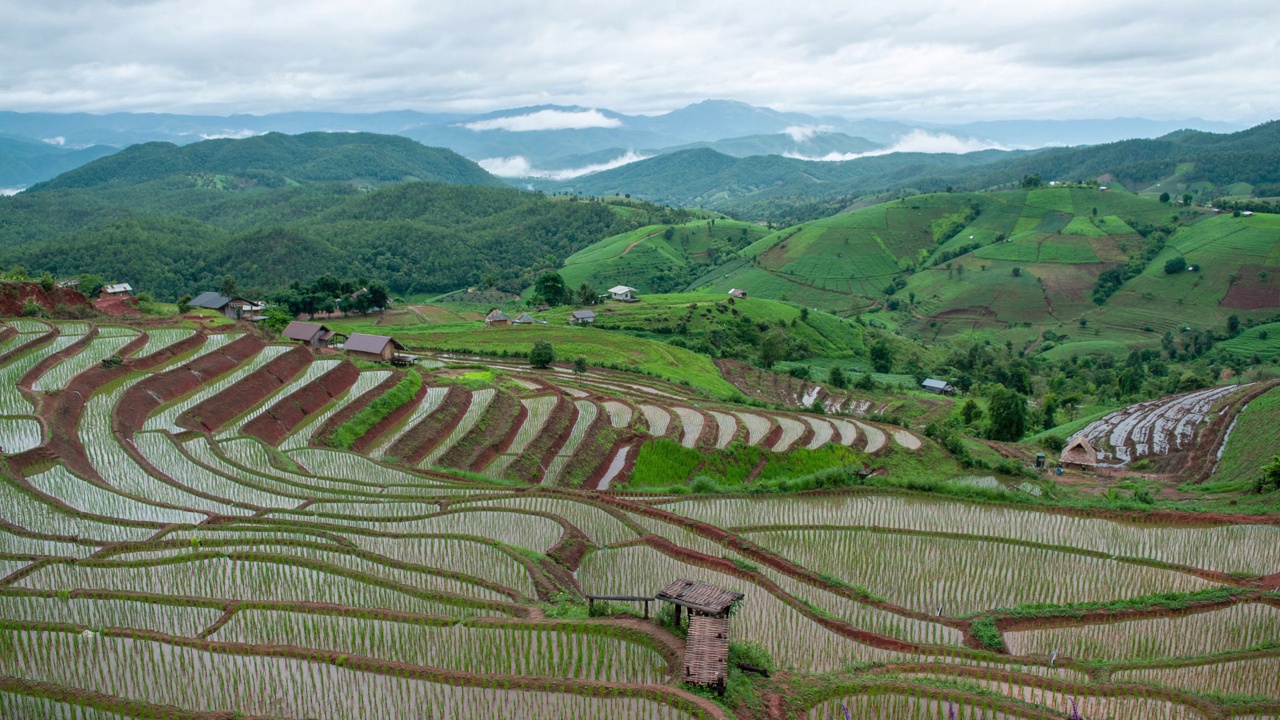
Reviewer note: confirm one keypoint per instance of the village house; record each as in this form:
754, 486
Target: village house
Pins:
116, 290
938, 387
312, 334
232, 307
740, 294
623, 293
376, 348
582, 317
524, 319
497, 318
1079, 453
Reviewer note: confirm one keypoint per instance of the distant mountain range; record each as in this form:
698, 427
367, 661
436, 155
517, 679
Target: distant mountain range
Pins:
553, 141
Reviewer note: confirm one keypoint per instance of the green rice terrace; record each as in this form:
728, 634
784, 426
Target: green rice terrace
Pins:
208, 525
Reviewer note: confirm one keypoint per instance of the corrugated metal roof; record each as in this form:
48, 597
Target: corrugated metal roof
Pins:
210, 300
584, 313
360, 342
496, 315
304, 330
935, 384
620, 289
117, 288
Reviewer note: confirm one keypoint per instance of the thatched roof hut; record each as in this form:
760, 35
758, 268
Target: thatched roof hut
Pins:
1079, 453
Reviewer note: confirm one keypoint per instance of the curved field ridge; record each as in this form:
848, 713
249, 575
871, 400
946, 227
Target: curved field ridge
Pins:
174, 575
1238, 627
1226, 548
1155, 427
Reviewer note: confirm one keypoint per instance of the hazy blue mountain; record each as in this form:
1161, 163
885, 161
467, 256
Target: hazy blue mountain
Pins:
23, 162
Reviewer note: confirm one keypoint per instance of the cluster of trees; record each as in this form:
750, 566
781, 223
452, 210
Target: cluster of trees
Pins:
1154, 238
550, 289
327, 294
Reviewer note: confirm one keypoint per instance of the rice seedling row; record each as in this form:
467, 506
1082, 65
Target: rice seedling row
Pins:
875, 436
792, 639
1115, 707
480, 401
1238, 627
1256, 676
162, 338
601, 656
656, 419
866, 617
30, 707
167, 418
19, 434
349, 466
619, 413
430, 403
587, 412
313, 371
791, 432
26, 326
98, 349
726, 427
302, 435
276, 481
957, 577
27, 512
11, 544
757, 427
1227, 548
162, 451
822, 433
539, 411
100, 613
226, 579
118, 468
847, 431
532, 532
600, 526
691, 422
906, 439
419, 578
11, 401
60, 483
187, 677
926, 705
467, 557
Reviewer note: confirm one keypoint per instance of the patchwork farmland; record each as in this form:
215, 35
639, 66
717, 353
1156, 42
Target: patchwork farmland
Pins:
179, 539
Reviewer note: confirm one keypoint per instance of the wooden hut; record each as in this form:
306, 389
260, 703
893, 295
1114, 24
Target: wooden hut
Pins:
1079, 453
706, 656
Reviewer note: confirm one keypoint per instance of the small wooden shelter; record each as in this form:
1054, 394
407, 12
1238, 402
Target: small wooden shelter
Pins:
1079, 453
740, 294
497, 318
524, 319
706, 655
623, 293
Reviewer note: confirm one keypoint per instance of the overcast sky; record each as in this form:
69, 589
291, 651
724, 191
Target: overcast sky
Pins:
928, 60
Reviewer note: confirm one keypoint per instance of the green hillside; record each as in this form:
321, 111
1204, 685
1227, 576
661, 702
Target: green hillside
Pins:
659, 258
276, 160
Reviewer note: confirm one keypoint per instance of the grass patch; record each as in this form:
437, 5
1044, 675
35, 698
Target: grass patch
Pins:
352, 430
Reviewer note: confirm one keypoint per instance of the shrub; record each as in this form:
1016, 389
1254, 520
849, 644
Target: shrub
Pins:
31, 308
542, 355
1175, 265
580, 366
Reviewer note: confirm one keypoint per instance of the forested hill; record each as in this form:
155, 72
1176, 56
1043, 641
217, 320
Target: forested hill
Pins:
276, 160
773, 187
417, 237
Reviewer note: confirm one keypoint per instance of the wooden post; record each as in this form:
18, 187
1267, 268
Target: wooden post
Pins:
591, 607
646, 609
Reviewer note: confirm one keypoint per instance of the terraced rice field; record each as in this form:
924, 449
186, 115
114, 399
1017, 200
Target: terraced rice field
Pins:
1156, 427
149, 571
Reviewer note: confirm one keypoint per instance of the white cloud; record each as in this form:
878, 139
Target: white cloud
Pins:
805, 133
59, 141
229, 135
6, 192
918, 141
520, 167
547, 120
935, 60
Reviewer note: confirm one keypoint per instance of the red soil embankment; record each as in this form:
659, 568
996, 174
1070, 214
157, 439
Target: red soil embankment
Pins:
287, 413
14, 295
247, 393
144, 398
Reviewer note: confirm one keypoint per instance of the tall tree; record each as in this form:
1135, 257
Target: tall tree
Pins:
550, 287
882, 356
1008, 412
